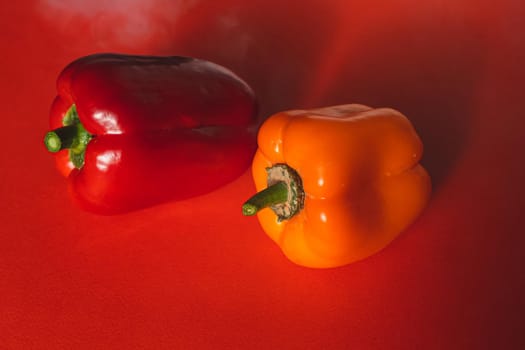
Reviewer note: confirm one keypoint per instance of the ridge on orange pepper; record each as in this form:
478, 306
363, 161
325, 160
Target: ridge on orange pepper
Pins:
338, 183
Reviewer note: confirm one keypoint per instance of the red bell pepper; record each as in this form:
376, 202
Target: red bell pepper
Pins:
133, 131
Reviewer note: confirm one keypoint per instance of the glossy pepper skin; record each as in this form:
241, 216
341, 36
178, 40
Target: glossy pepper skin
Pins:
159, 128
360, 173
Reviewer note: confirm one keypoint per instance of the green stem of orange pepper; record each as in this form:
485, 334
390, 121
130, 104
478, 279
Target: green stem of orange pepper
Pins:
272, 195
284, 194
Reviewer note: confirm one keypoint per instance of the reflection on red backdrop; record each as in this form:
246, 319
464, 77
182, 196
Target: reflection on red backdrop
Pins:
196, 274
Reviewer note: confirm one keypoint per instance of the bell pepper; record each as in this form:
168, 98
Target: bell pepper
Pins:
337, 184
130, 132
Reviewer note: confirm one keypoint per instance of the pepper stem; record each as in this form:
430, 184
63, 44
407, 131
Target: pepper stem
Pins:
275, 194
61, 138
284, 194
71, 136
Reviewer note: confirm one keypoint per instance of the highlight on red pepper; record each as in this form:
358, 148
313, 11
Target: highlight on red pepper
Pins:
337, 184
130, 132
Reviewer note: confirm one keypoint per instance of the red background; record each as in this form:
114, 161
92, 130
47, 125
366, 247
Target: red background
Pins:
196, 274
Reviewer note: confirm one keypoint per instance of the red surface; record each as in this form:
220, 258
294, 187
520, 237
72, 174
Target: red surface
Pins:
197, 275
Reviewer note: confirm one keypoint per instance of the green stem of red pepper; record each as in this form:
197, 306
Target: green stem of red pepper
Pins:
71, 136
61, 138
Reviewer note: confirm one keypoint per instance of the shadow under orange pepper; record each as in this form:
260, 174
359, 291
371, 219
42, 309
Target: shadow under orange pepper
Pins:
337, 184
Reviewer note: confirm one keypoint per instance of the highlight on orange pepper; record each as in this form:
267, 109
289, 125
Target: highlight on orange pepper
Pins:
337, 184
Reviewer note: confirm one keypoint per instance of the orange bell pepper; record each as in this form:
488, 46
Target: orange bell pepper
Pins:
338, 183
